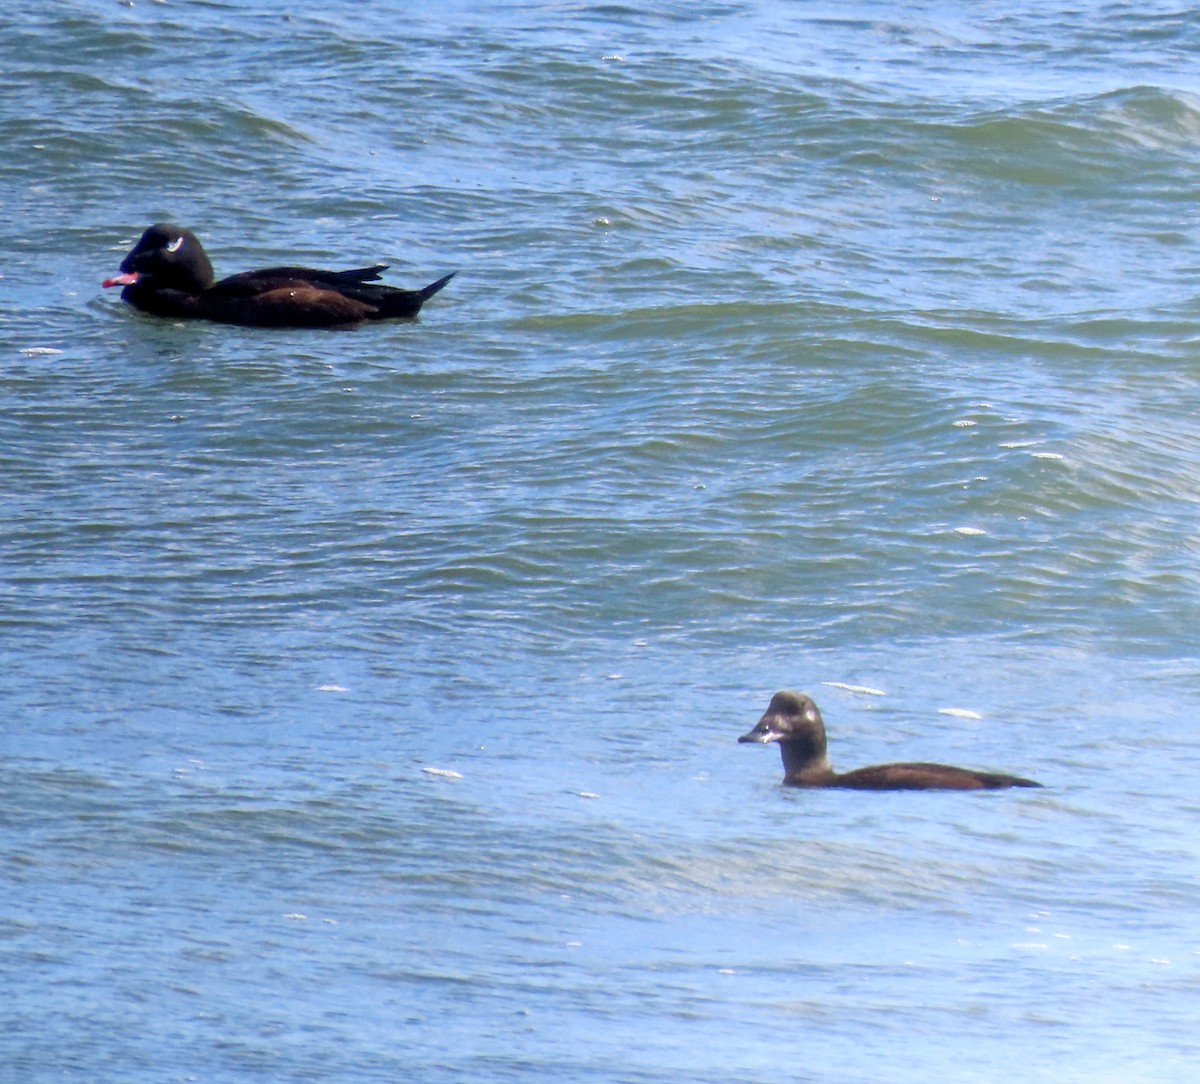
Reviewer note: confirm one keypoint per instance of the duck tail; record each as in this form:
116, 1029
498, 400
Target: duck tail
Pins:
433, 287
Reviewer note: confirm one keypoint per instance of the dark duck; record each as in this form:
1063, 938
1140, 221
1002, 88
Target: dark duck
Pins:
793, 721
168, 274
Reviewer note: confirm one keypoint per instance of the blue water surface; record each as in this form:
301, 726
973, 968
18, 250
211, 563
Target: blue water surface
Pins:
370, 699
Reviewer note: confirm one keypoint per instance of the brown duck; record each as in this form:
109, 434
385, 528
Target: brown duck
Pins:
168, 274
792, 720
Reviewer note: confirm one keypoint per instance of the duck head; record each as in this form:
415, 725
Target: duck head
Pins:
794, 721
168, 258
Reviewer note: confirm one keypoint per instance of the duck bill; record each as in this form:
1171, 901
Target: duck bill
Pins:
763, 733
127, 279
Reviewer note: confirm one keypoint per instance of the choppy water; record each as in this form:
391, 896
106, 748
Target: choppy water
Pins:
840, 347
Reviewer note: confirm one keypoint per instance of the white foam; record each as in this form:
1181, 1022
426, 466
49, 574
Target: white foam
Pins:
864, 690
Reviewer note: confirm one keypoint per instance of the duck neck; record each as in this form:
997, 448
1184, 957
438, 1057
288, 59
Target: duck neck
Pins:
804, 761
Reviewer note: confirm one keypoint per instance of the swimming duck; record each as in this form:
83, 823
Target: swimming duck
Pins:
794, 721
168, 274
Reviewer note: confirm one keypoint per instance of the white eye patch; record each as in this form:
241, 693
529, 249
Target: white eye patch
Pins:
174, 246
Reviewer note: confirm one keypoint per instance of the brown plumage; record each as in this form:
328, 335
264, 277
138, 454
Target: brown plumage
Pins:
168, 274
793, 720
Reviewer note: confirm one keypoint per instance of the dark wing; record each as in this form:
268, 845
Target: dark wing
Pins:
313, 275
249, 283
920, 776
302, 297
290, 304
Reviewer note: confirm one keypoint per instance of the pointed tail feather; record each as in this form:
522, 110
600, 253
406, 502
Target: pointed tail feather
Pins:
433, 287
391, 304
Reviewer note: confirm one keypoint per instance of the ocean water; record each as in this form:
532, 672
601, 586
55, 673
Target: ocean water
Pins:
370, 699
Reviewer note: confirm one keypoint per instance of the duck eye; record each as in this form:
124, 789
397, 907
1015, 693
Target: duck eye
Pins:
174, 246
